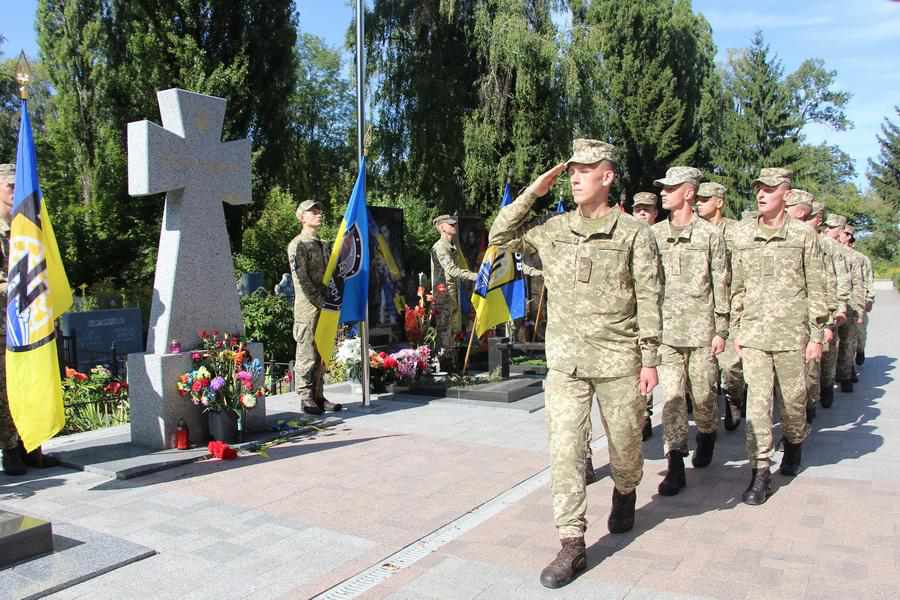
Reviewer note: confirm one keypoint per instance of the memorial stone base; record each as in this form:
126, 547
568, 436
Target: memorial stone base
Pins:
156, 405
23, 538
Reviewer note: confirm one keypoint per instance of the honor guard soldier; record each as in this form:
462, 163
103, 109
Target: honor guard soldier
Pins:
603, 326
445, 271
778, 314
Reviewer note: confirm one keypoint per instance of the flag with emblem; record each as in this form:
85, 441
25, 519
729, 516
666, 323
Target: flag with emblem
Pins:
393, 276
38, 293
347, 273
499, 293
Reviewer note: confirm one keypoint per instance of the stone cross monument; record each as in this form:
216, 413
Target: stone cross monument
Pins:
193, 288
194, 284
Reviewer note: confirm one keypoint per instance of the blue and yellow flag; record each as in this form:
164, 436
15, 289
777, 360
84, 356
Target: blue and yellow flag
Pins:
499, 294
38, 293
347, 272
394, 274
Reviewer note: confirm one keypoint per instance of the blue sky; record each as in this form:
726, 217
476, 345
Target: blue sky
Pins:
858, 39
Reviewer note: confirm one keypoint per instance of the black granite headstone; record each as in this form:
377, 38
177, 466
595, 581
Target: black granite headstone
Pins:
23, 537
96, 331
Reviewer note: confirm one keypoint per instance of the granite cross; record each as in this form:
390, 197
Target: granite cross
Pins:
193, 288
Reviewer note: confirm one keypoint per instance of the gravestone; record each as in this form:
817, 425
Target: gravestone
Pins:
96, 332
193, 288
250, 282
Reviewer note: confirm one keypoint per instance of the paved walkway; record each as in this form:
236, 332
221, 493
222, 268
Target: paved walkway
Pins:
463, 489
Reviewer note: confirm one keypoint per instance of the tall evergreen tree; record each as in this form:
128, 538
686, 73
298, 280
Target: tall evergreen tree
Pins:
762, 127
646, 83
884, 174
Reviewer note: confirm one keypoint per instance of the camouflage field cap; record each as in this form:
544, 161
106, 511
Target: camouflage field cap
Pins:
441, 219
835, 220
587, 152
8, 173
797, 197
644, 199
749, 214
710, 189
307, 205
679, 175
818, 208
773, 177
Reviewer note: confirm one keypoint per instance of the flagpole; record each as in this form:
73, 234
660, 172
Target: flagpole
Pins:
360, 144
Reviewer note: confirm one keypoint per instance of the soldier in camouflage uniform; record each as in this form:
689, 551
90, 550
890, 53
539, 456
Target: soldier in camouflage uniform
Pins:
838, 287
603, 326
644, 208
445, 271
308, 256
711, 207
846, 368
778, 314
869, 284
13, 463
695, 323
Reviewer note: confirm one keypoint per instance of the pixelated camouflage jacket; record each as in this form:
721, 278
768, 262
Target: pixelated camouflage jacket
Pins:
695, 283
856, 266
446, 271
778, 288
838, 275
308, 256
603, 287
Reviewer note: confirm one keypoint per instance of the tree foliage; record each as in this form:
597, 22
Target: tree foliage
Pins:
884, 173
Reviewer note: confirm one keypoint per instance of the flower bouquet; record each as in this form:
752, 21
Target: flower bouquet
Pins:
382, 370
411, 363
223, 381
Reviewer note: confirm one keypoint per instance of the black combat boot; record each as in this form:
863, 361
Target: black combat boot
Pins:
826, 396
847, 387
13, 465
758, 490
810, 413
571, 560
311, 407
732, 412
621, 517
37, 459
647, 432
589, 475
330, 406
860, 357
706, 443
674, 479
790, 464
854, 378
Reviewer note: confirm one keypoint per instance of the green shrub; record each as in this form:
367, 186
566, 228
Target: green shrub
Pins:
269, 319
93, 400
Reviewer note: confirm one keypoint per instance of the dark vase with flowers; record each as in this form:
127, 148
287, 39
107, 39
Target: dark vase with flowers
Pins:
223, 425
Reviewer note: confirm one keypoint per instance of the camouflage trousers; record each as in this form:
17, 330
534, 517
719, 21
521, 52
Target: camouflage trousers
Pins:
778, 375
448, 324
847, 348
829, 363
9, 437
813, 382
731, 370
681, 368
568, 407
308, 368
861, 332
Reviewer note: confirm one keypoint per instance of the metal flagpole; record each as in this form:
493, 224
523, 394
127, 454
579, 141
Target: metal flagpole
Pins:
360, 143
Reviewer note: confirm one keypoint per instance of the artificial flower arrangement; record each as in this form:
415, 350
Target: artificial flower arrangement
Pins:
223, 375
403, 366
417, 320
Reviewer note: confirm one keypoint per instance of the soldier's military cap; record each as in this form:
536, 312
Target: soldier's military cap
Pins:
440, 219
8, 173
797, 197
835, 220
773, 177
818, 208
749, 214
645, 199
709, 189
679, 175
307, 205
587, 152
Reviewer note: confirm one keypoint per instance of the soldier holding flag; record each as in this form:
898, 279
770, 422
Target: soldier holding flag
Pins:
445, 270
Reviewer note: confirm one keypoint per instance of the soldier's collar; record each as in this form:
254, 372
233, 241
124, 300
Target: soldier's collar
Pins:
685, 230
587, 227
764, 232
4, 228
307, 235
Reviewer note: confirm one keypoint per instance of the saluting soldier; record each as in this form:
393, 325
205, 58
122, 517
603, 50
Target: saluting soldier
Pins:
711, 207
778, 314
695, 323
603, 326
445, 271
308, 256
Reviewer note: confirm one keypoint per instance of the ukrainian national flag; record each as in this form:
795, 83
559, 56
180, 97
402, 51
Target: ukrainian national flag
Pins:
347, 272
38, 293
499, 294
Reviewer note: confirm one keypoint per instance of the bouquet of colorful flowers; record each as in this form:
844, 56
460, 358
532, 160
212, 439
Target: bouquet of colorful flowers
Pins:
417, 319
348, 358
224, 374
411, 363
